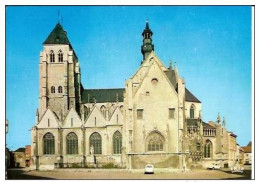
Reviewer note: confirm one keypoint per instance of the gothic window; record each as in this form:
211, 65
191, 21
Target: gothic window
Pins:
60, 56
171, 113
103, 110
154, 81
96, 142
117, 142
192, 111
60, 89
208, 149
155, 142
140, 113
52, 89
72, 143
52, 56
48, 144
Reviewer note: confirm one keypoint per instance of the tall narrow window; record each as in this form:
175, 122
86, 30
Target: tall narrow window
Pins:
140, 113
95, 140
60, 55
48, 122
71, 122
52, 89
117, 142
52, 56
48, 144
171, 113
192, 111
60, 89
72, 143
208, 149
117, 118
95, 121
198, 146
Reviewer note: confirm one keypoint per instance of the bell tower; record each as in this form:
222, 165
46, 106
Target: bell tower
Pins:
147, 46
59, 75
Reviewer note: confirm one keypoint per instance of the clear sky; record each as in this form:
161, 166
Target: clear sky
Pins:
211, 45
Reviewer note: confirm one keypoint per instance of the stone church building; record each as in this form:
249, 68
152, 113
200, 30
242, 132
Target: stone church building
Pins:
154, 119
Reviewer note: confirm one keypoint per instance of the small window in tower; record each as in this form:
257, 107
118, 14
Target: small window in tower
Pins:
71, 122
140, 113
60, 56
171, 113
52, 56
53, 89
147, 93
60, 89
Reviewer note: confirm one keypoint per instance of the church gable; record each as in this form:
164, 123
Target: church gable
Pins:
117, 117
72, 119
48, 120
95, 119
155, 83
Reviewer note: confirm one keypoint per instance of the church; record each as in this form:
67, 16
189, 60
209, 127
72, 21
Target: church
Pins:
155, 119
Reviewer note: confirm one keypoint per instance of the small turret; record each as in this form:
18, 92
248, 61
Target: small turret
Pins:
147, 46
218, 119
224, 122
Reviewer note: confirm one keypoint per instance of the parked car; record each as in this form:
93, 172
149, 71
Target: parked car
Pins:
237, 169
214, 166
149, 169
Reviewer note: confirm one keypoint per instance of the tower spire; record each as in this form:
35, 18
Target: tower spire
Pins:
147, 46
218, 119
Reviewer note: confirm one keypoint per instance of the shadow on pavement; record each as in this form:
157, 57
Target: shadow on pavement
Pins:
21, 174
245, 175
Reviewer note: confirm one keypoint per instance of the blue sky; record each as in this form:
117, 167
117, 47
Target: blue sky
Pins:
211, 45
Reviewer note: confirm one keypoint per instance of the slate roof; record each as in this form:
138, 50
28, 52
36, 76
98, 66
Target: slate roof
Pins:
171, 76
207, 126
102, 95
20, 150
190, 97
57, 36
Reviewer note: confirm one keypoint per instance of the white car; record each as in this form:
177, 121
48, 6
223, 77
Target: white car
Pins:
237, 169
149, 169
214, 166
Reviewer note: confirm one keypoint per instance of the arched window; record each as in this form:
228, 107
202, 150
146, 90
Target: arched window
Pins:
103, 110
52, 89
208, 149
60, 56
60, 89
52, 56
72, 143
48, 144
155, 142
192, 108
95, 140
117, 142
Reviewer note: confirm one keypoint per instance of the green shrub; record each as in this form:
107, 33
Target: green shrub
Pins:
109, 165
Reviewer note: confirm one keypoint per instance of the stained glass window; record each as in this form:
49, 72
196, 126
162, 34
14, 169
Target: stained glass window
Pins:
72, 143
96, 142
117, 142
48, 144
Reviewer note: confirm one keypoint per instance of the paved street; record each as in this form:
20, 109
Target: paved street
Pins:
121, 174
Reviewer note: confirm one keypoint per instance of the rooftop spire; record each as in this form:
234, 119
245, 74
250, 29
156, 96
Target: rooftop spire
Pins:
57, 36
218, 119
147, 46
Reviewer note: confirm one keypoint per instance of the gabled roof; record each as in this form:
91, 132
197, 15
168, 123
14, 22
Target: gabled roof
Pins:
20, 150
57, 36
172, 77
207, 126
190, 97
102, 95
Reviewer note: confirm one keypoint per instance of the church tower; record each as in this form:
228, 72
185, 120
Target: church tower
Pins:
147, 46
59, 75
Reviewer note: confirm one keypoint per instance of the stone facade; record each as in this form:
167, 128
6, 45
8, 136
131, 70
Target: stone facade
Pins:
154, 119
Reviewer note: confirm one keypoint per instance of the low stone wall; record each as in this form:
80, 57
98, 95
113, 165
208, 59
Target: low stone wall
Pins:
158, 160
